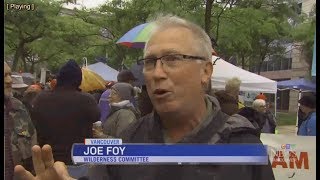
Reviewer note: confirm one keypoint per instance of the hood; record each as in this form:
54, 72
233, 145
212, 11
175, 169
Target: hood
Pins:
236, 122
253, 116
224, 97
126, 104
70, 75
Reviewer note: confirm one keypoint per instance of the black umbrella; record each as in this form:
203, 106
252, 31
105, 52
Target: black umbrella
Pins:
137, 72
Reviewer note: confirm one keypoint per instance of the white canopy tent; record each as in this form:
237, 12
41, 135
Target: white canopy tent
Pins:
105, 71
250, 82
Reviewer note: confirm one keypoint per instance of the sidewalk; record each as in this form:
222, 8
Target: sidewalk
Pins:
291, 130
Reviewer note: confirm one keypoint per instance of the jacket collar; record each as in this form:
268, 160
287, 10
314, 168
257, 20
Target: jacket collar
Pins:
206, 128
216, 123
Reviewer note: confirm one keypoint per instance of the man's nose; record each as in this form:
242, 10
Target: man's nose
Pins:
159, 72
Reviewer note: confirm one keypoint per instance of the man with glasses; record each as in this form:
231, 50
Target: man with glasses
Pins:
177, 71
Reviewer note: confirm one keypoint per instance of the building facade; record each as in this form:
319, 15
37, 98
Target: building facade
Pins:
292, 66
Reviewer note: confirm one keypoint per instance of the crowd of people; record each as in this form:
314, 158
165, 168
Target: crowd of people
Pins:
174, 106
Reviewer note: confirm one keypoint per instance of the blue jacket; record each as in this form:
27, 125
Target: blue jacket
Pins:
308, 127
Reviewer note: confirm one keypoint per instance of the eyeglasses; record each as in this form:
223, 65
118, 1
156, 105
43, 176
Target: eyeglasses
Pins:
170, 61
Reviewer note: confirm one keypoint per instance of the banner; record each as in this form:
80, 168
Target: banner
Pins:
95, 152
291, 157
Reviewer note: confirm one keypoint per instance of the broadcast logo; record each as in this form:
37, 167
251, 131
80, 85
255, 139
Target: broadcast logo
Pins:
288, 147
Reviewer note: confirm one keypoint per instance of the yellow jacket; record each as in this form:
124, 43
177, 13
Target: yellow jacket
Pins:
240, 105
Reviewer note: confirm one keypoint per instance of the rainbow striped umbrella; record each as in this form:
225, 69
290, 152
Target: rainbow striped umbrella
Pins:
137, 36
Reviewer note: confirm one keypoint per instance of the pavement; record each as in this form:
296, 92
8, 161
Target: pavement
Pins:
290, 130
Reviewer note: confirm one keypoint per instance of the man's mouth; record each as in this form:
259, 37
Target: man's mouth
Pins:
161, 93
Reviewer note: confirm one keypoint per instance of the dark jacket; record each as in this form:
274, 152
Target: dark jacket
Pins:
265, 122
220, 129
270, 124
228, 103
64, 117
256, 118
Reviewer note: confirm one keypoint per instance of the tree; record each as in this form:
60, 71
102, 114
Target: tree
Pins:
253, 32
304, 33
21, 31
71, 38
50, 36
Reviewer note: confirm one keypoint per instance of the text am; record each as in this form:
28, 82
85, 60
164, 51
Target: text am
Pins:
294, 160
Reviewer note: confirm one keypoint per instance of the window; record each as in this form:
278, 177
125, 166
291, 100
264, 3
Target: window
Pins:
264, 66
283, 98
285, 64
277, 64
270, 66
290, 63
299, 8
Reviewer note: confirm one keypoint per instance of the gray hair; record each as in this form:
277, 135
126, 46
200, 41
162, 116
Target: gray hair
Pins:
233, 84
257, 103
168, 21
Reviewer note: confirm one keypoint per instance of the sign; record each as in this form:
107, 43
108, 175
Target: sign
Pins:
291, 157
112, 151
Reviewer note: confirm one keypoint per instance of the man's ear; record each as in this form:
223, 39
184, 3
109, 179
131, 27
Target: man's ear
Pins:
207, 70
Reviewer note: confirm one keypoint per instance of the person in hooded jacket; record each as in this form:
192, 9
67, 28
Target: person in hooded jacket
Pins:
256, 118
122, 111
65, 115
229, 97
268, 122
